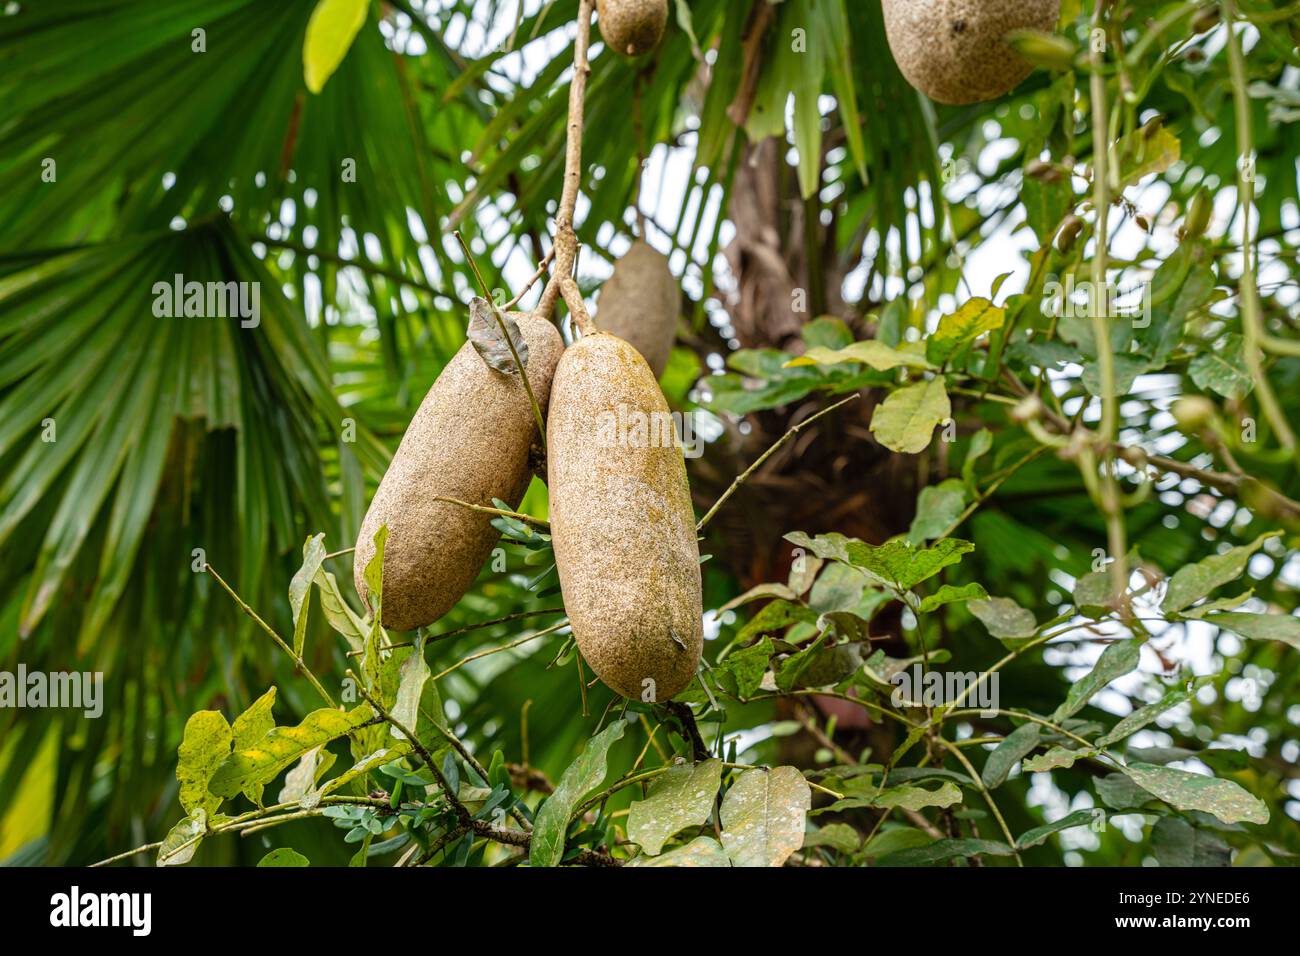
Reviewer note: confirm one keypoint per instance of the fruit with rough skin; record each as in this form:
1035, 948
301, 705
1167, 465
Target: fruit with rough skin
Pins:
955, 51
621, 521
469, 440
640, 303
632, 27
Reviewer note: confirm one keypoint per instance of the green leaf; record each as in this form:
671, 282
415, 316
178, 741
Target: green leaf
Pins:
1175, 842
1192, 791
283, 746
895, 563
284, 856
1015, 746
313, 555
1094, 593
819, 664
300, 782
937, 507
763, 816
681, 797
759, 592
1116, 660
1259, 627
918, 798
776, 616
959, 329
414, 673
839, 62
1194, 581
1004, 618
1058, 758
749, 665
1145, 715
1079, 818
1222, 369
374, 572
182, 840
334, 24
949, 594
204, 745
1120, 793
893, 840
837, 836
941, 851
580, 778
1143, 153
980, 443
872, 352
702, 851
905, 421
339, 613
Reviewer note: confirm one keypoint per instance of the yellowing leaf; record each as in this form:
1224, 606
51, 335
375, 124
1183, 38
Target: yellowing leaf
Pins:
1142, 153
204, 745
958, 329
878, 355
283, 746
905, 420
333, 26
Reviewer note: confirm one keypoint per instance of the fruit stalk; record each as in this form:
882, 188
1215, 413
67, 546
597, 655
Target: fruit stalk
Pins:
566, 240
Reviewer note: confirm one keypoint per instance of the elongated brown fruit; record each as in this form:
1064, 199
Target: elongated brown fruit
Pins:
640, 303
954, 51
632, 27
469, 440
622, 522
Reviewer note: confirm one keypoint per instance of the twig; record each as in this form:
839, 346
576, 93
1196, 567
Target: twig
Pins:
744, 475
988, 797
298, 662
541, 271
505, 647
501, 512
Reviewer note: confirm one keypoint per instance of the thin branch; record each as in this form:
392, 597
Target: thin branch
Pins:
298, 662
500, 512
744, 475
541, 271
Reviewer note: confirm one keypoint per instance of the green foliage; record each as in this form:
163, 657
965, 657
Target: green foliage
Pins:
325, 150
